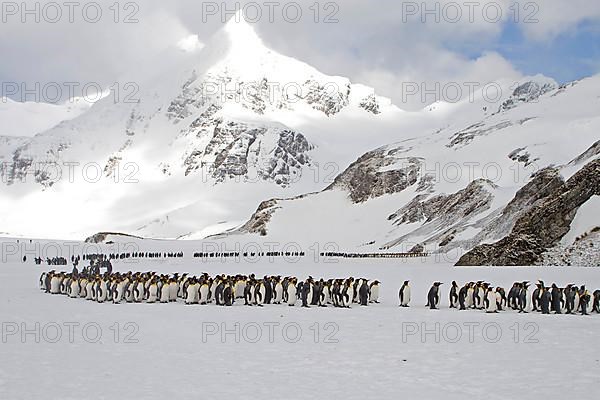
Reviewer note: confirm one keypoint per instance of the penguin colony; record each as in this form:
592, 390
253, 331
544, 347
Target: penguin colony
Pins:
484, 296
222, 290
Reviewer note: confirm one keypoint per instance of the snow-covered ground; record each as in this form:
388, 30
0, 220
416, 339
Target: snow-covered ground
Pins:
380, 351
25, 119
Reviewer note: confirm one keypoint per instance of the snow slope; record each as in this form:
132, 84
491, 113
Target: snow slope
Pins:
28, 119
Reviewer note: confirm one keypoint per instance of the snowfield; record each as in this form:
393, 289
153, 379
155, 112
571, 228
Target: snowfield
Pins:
158, 351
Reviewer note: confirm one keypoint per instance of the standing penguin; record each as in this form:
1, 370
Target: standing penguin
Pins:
513, 295
491, 304
191, 292
363, 293
74, 289
203, 293
479, 296
470, 301
462, 297
596, 304
584, 301
278, 292
454, 295
120, 292
544, 300
537, 294
228, 295
249, 292
556, 299
101, 291
374, 290
347, 291
291, 292
306, 294
522, 297
153, 292
219, 291
433, 297
260, 293
570, 298
405, 294
165, 291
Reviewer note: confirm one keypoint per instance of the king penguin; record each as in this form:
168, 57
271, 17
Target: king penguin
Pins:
405, 294
433, 297
454, 295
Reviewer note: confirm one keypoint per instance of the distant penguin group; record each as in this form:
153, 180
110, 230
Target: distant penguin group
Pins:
222, 290
493, 299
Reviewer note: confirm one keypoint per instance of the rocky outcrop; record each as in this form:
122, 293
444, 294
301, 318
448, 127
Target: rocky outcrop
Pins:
101, 237
378, 173
593, 151
542, 226
237, 150
261, 218
443, 216
528, 92
370, 104
467, 135
584, 252
522, 156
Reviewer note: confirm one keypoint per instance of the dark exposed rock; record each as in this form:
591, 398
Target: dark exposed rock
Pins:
235, 148
593, 151
329, 99
544, 224
443, 216
365, 179
471, 200
467, 135
100, 237
261, 218
526, 93
370, 104
522, 156
417, 249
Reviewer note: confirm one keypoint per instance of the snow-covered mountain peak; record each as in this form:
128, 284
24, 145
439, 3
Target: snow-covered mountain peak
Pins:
242, 35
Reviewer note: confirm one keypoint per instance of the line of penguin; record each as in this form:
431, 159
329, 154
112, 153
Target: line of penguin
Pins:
483, 296
222, 290
233, 254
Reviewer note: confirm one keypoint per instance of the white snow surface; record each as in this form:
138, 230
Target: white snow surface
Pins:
359, 353
26, 119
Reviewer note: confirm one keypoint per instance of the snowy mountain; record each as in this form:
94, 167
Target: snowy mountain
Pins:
217, 131
209, 135
29, 118
528, 167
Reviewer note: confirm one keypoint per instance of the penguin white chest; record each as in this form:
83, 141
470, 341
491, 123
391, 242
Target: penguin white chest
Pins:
291, 289
406, 297
375, 293
55, 285
74, 288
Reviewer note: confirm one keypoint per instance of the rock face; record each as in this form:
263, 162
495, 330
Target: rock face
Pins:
528, 92
543, 226
237, 149
260, 219
377, 173
584, 252
101, 237
467, 135
443, 216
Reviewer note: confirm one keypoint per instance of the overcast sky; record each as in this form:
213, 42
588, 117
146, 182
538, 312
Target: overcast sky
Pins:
382, 43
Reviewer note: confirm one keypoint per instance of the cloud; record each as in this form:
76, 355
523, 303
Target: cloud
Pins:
380, 42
